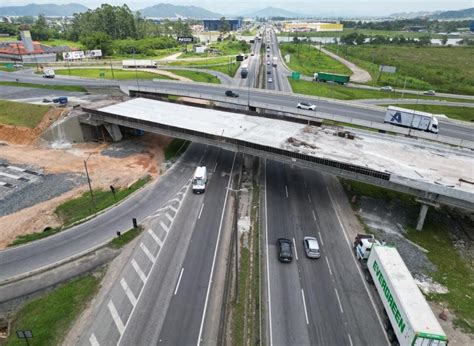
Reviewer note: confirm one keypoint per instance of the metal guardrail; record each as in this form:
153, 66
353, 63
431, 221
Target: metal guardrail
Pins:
326, 116
240, 143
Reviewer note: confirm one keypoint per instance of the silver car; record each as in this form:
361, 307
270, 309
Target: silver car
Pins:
311, 247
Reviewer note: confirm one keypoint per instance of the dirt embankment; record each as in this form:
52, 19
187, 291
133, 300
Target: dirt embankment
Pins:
104, 170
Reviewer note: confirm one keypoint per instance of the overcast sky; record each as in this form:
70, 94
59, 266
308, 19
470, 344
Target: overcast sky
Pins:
343, 7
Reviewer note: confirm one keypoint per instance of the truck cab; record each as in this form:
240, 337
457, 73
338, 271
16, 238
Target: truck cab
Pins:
363, 244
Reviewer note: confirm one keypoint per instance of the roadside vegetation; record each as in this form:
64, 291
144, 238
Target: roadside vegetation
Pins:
45, 86
50, 316
197, 76
82, 207
308, 60
125, 238
455, 272
176, 148
346, 93
443, 69
107, 73
459, 113
225, 64
21, 114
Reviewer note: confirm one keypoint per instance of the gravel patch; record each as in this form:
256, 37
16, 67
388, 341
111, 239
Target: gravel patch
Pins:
124, 149
388, 221
36, 190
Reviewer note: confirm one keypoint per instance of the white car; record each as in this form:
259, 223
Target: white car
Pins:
430, 92
386, 88
311, 247
270, 80
306, 105
268, 62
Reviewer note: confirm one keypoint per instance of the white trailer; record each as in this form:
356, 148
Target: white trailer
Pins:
200, 179
139, 63
410, 118
410, 317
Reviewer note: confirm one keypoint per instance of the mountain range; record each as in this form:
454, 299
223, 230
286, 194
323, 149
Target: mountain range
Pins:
467, 13
269, 12
175, 11
46, 9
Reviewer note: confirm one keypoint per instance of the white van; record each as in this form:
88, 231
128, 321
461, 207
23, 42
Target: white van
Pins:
48, 73
200, 179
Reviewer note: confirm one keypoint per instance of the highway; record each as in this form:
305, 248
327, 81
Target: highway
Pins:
163, 302
321, 301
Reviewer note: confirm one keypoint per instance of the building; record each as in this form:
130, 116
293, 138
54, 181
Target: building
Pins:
215, 24
472, 27
27, 50
311, 27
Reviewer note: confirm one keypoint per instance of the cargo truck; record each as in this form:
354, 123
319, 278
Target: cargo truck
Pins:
331, 77
139, 63
244, 70
409, 319
412, 119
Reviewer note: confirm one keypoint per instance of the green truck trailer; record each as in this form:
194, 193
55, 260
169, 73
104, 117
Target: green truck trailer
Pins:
331, 77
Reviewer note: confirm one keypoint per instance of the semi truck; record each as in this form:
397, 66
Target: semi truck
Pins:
412, 119
331, 77
200, 179
244, 70
139, 63
409, 319
274, 61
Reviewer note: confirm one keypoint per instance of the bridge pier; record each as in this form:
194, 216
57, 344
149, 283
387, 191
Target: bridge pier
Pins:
421, 217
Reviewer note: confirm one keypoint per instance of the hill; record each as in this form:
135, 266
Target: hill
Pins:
467, 13
176, 11
46, 9
268, 12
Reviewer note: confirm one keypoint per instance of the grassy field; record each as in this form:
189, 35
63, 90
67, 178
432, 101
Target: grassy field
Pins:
225, 48
50, 316
443, 69
308, 60
45, 86
345, 93
197, 76
57, 42
110, 74
460, 113
21, 114
228, 64
158, 54
368, 32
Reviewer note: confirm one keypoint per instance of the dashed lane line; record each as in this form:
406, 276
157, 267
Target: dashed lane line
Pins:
139, 271
128, 292
147, 253
115, 316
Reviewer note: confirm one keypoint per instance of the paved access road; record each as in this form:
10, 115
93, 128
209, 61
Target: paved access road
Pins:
161, 294
42, 253
312, 301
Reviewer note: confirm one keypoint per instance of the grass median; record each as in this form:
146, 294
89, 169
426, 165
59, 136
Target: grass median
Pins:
51, 316
45, 86
196, 76
21, 114
224, 64
107, 73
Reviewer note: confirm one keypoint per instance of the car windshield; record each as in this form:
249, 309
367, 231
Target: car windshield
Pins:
198, 181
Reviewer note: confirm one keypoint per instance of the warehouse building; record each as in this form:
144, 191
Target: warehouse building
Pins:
311, 27
215, 24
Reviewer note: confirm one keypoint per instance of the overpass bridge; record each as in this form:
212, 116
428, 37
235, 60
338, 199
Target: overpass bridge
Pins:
436, 174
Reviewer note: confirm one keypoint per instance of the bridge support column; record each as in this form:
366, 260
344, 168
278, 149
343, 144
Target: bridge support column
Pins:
421, 217
114, 131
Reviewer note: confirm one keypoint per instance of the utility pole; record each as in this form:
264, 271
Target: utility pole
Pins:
136, 71
89, 182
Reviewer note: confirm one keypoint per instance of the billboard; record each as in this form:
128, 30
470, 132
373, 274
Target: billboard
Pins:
96, 53
387, 69
185, 39
76, 55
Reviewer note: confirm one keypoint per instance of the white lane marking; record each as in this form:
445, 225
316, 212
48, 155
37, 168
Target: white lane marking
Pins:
304, 305
304, 181
200, 211
168, 216
339, 300
321, 238
16, 177
173, 208
314, 215
148, 253
268, 262
309, 198
350, 339
296, 251
215, 252
163, 225
93, 340
179, 280
128, 292
286, 190
215, 167
356, 264
329, 266
155, 237
139, 271
116, 317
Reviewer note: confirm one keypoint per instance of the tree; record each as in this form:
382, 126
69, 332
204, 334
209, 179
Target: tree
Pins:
424, 40
224, 26
98, 40
360, 39
444, 40
40, 30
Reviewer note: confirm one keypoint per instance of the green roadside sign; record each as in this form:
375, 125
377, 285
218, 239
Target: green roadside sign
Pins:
295, 75
9, 65
102, 74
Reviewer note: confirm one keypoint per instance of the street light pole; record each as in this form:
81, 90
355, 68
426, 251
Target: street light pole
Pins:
89, 182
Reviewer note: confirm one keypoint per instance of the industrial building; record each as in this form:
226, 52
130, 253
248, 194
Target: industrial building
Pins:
215, 24
311, 27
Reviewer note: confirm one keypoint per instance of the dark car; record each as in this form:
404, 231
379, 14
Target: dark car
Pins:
285, 250
230, 93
